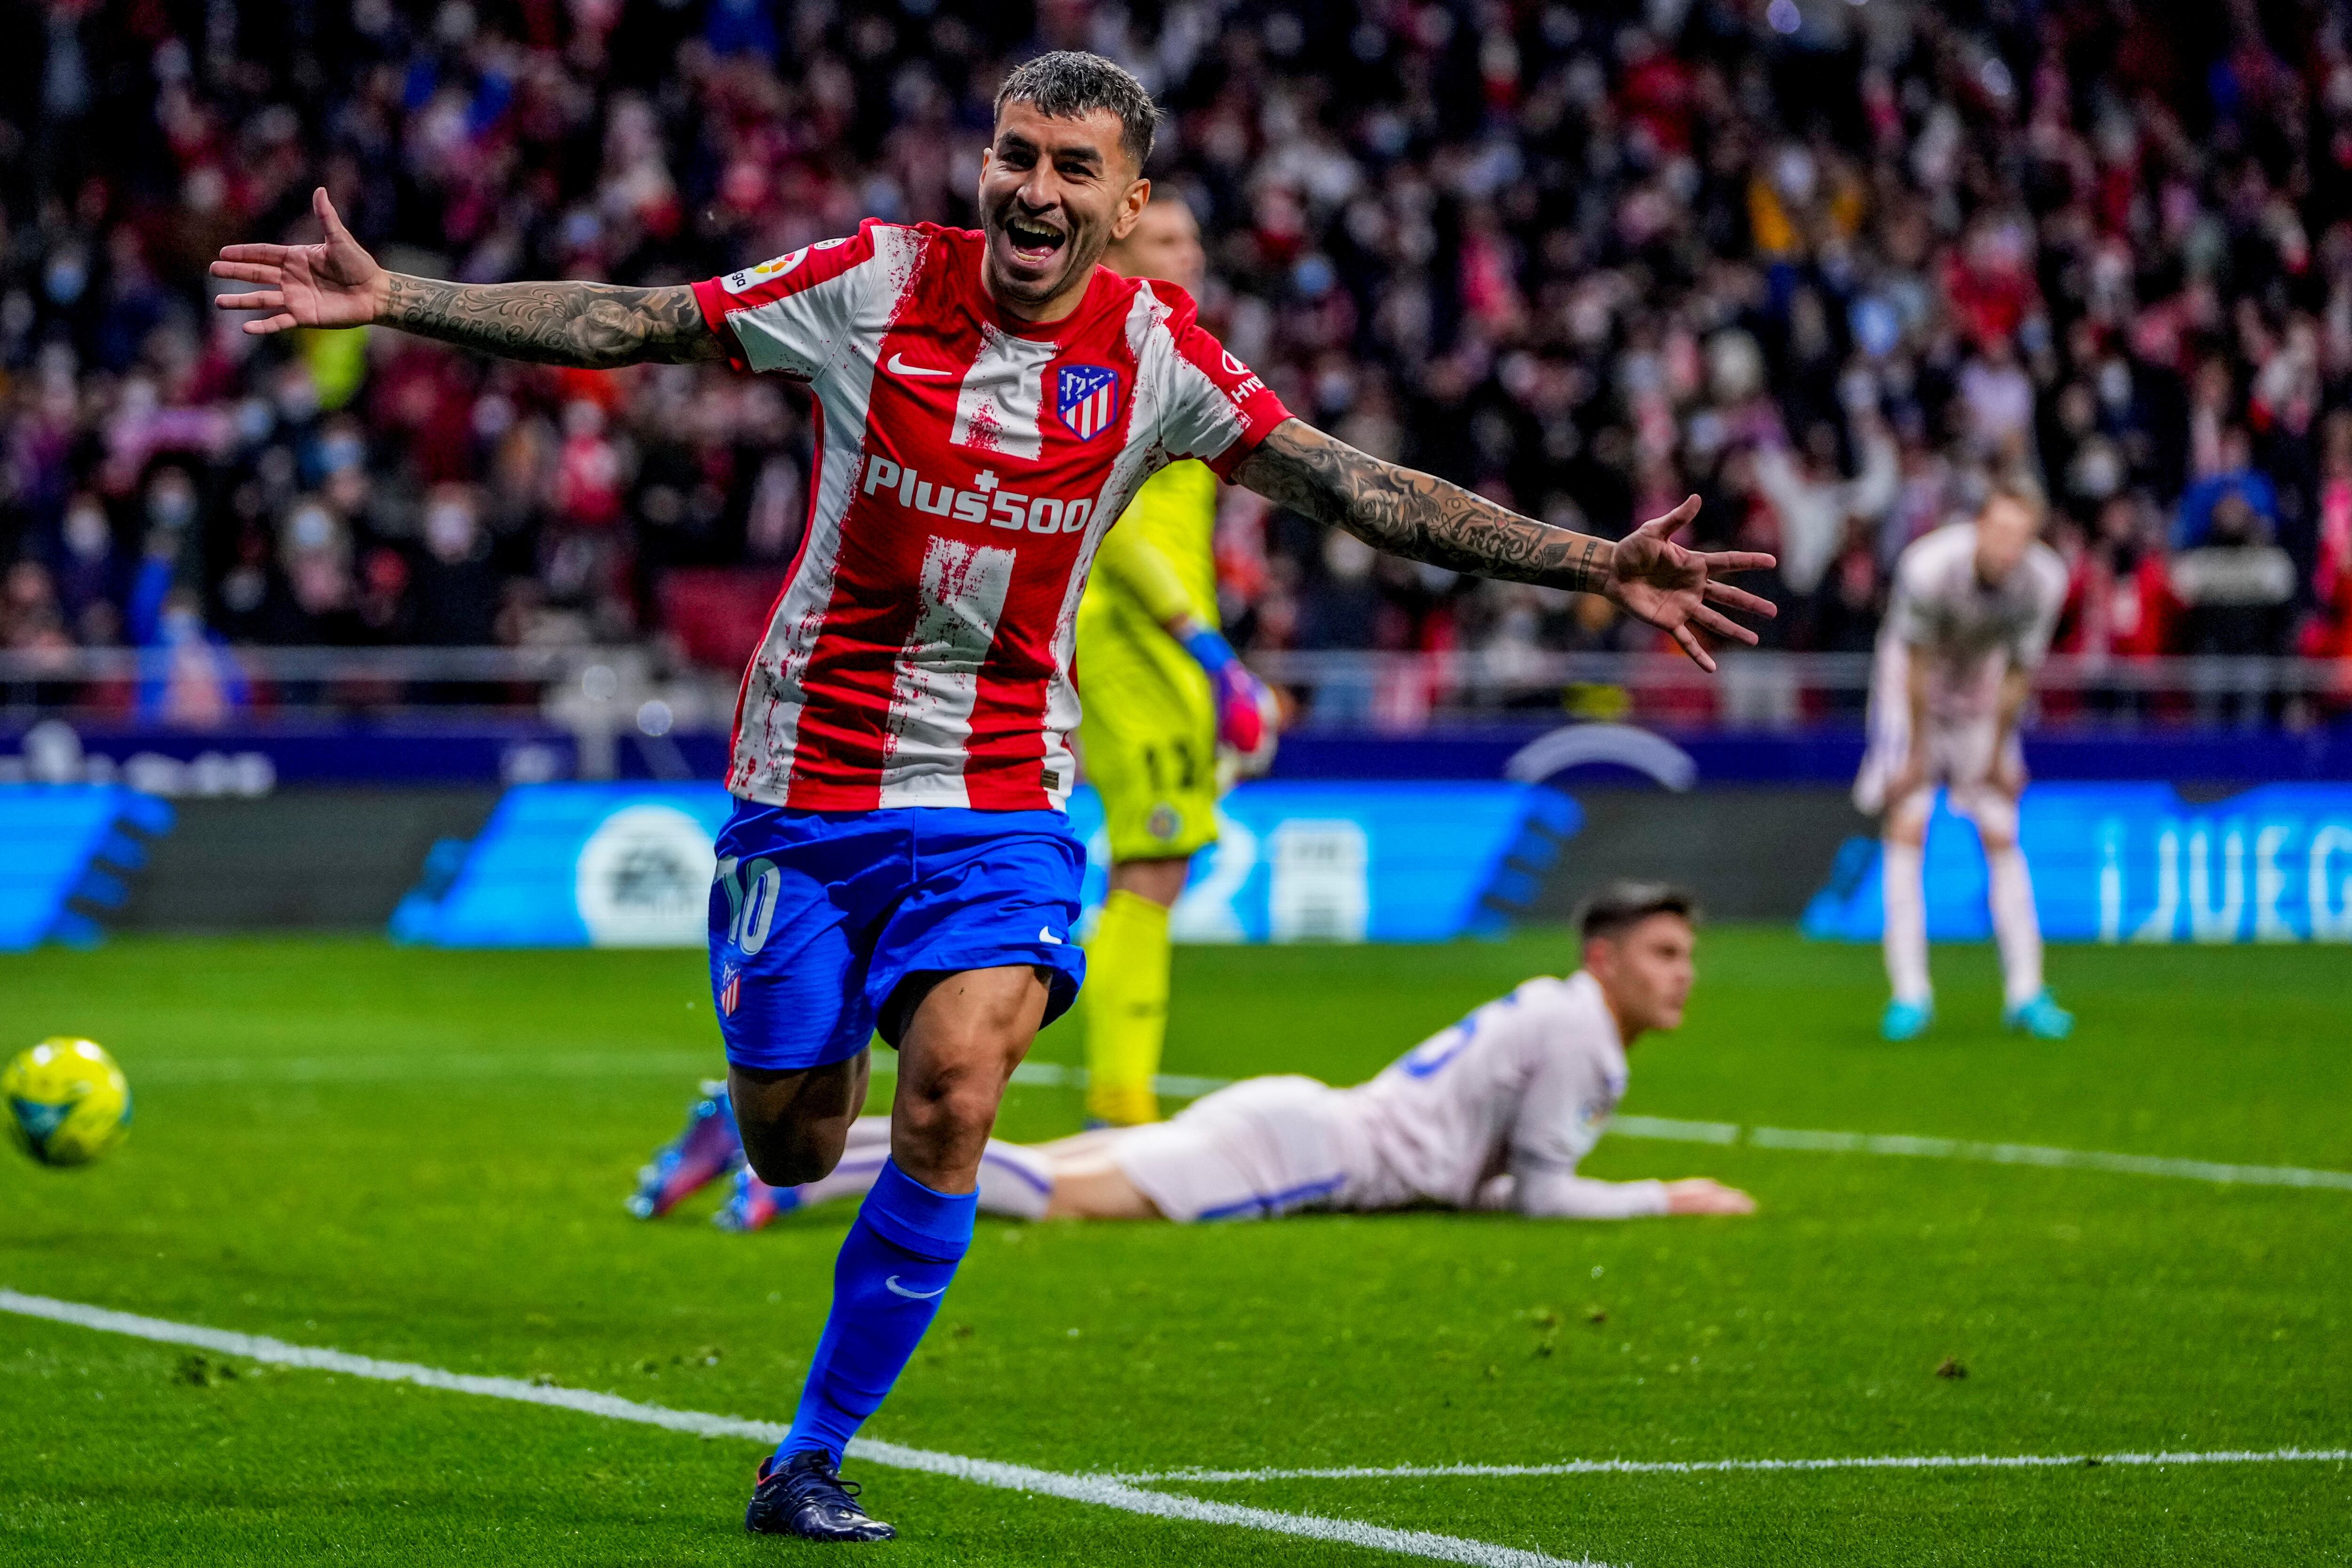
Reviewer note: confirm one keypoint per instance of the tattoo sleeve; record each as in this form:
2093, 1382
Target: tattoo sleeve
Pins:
1417, 515
593, 325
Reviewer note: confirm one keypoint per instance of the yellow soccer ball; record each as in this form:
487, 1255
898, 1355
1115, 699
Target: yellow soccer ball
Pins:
68, 1101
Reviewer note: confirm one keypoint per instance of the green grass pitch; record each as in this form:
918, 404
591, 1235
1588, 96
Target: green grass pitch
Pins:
420, 1155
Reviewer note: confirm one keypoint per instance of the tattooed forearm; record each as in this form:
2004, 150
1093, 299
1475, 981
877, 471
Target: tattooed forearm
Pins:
1416, 516
593, 325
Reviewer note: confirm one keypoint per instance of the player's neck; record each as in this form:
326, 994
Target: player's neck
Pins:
1627, 1031
1038, 313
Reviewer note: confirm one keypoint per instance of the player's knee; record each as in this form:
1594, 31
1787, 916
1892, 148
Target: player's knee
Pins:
944, 1109
792, 1153
792, 1162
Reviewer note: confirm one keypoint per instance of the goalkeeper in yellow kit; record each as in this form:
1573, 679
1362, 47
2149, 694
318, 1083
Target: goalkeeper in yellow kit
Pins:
1163, 689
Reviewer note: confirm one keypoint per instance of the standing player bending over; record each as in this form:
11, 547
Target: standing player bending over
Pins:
1493, 1112
987, 403
1973, 609
1163, 690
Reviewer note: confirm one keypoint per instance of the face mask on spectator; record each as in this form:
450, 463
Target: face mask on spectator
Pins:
171, 503
87, 534
449, 530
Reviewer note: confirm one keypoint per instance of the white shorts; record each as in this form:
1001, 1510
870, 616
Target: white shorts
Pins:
1253, 1150
1960, 756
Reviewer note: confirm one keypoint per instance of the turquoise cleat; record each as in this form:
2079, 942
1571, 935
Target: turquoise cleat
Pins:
706, 1150
1905, 1021
754, 1203
2042, 1017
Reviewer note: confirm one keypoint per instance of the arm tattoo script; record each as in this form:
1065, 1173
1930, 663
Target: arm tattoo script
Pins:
593, 326
1417, 515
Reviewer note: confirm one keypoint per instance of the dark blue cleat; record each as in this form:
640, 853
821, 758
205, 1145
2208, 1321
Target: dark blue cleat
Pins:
806, 1497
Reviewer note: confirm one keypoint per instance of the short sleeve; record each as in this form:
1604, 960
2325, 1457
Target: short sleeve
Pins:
793, 316
2031, 644
1215, 408
1909, 613
1567, 1098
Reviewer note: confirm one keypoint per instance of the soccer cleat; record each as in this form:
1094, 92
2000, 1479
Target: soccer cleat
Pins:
806, 1497
1905, 1021
706, 1150
2041, 1017
754, 1203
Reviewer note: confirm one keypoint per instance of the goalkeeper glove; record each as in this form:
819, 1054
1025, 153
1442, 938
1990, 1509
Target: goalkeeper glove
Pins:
1245, 706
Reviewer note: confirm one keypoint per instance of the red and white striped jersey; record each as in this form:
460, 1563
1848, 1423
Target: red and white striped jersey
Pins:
967, 466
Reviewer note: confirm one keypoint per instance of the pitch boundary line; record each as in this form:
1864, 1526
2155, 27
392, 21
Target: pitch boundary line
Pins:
1106, 1491
1706, 1467
1983, 1153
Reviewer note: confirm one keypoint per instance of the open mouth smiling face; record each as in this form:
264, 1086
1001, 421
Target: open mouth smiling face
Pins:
1035, 241
1053, 191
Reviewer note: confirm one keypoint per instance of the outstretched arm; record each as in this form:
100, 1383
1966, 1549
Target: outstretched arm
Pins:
1423, 517
336, 283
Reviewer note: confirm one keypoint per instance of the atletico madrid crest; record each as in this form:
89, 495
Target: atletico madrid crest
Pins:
1086, 399
731, 989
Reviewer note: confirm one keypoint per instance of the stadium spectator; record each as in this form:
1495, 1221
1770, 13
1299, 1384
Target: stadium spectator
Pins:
1578, 256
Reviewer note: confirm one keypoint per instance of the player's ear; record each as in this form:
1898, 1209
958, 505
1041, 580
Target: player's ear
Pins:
1130, 208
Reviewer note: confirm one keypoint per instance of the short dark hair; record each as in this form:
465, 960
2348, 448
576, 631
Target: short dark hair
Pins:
1070, 84
1620, 905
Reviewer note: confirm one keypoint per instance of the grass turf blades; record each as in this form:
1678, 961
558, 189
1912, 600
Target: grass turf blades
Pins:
468, 1218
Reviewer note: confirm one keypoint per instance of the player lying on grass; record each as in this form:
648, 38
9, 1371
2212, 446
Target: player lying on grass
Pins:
1973, 608
987, 403
1494, 1113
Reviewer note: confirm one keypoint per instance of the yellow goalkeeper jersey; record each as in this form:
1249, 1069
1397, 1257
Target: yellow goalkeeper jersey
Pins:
1149, 737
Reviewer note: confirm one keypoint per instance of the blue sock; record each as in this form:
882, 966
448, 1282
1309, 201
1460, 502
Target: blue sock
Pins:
894, 1267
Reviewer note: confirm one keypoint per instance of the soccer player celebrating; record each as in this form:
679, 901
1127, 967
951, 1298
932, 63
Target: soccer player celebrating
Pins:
1492, 1112
987, 403
1166, 690
1973, 608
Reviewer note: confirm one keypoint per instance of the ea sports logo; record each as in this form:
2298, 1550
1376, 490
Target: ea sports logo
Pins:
643, 878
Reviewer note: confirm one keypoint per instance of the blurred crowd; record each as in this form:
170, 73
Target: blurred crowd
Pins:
1826, 263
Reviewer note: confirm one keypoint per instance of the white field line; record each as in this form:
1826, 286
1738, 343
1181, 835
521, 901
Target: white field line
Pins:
1182, 1087
1705, 1467
1102, 1490
1989, 1154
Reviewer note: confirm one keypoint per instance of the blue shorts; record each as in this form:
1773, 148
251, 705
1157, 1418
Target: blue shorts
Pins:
817, 917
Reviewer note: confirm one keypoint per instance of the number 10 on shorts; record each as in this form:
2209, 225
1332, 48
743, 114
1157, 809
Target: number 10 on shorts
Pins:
752, 892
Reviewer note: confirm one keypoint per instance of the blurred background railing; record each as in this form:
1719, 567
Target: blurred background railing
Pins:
1403, 692
639, 689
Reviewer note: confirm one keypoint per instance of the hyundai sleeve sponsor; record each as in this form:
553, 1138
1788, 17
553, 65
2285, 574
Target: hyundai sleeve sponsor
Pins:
631, 865
2134, 862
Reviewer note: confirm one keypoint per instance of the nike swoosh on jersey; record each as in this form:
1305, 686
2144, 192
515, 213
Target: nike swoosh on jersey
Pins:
899, 367
1045, 935
896, 1288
